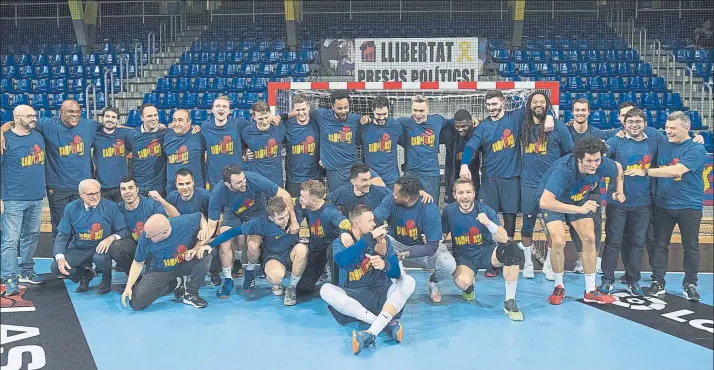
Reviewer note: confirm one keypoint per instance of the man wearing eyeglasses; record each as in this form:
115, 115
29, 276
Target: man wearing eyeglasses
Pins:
95, 225
565, 188
23, 186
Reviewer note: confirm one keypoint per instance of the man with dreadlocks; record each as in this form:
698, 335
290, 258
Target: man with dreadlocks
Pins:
540, 150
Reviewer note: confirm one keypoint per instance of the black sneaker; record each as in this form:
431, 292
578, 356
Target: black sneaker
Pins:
237, 270
655, 289
194, 300
216, 278
84, 282
605, 286
690, 292
623, 279
249, 280
635, 289
104, 287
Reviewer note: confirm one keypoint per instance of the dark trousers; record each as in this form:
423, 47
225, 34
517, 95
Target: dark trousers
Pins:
112, 194
316, 261
122, 251
597, 220
58, 199
649, 245
688, 221
81, 259
621, 221
155, 284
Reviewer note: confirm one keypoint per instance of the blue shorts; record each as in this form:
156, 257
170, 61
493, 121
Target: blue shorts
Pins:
502, 195
283, 258
371, 298
550, 216
479, 259
231, 219
529, 200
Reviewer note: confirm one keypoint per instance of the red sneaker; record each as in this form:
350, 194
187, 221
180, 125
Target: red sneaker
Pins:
490, 274
599, 297
557, 296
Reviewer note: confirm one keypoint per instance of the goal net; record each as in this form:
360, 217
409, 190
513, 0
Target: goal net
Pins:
444, 99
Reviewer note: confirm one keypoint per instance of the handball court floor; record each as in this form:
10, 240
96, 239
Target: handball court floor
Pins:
256, 331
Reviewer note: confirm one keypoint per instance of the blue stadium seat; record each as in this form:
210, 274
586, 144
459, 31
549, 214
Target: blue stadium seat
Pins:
236, 57
170, 115
607, 101
613, 118
568, 69
246, 45
182, 84
164, 84
310, 45
684, 56
239, 84
186, 58
527, 70
273, 57
262, 45
77, 85
307, 56
549, 44
108, 59
212, 70
193, 70
220, 57
43, 71
672, 101
23, 86
238, 113
594, 55
624, 69
9, 72
198, 116
566, 44
43, 113
92, 59
6, 85
628, 96
596, 84
56, 59
249, 70
702, 55
501, 55
301, 70
151, 98
702, 70
5, 103
42, 85
248, 100
644, 69
19, 99
637, 84
574, 84
565, 99
266, 70
572, 55
76, 72
590, 98
57, 100
289, 57
617, 84
556, 56
708, 141
164, 117
74, 59
229, 46
614, 55
258, 85
284, 70
231, 69
538, 56
661, 118
188, 101
696, 120
204, 57
583, 44
27, 72
631, 55
254, 57
546, 70
279, 45
598, 118
60, 71
567, 115
234, 98
650, 100
95, 71
200, 84
196, 46
133, 119
585, 69
207, 100
23, 60
7, 60
218, 84
521, 56
40, 100
176, 70
169, 100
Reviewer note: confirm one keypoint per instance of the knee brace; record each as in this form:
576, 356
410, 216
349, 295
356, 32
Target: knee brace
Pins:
528, 225
509, 254
509, 223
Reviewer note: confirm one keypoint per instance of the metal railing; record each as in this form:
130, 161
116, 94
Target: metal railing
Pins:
151, 44
657, 50
91, 112
123, 66
691, 82
109, 99
642, 45
162, 37
707, 88
138, 59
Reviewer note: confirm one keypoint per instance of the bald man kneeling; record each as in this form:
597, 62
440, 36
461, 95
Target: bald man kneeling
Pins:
173, 265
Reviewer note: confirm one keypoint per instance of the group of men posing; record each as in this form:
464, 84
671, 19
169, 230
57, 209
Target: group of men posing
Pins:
157, 211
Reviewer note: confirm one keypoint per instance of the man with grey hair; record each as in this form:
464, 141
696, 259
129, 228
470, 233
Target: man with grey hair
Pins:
22, 167
90, 226
679, 200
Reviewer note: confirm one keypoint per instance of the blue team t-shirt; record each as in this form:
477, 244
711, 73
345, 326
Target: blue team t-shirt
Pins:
184, 151
267, 148
379, 148
89, 227
247, 204
136, 218
198, 202
22, 167
68, 151
302, 159
276, 240
361, 274
325, 224
591, 131
406, 224
148, 161
468, 234
569, 186
338, 140
632, 154
170, 252
538, 156
686, 191
421, 144
223, 145
346, 199
499, 141
109, 157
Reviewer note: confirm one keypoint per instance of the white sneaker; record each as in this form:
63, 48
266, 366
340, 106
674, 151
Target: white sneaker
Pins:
548, 271
578, 269
598, 265
528, 270
278, 290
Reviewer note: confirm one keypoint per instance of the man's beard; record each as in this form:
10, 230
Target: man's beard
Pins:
539, 116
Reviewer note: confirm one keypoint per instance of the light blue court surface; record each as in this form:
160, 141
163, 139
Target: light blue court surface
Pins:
255, 331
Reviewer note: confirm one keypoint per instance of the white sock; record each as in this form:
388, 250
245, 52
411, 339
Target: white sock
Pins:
251, 266
589, 282
527, 253
511, 289
294, 280
237, 255
380, 323
547, 258
226, 273
558, 279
